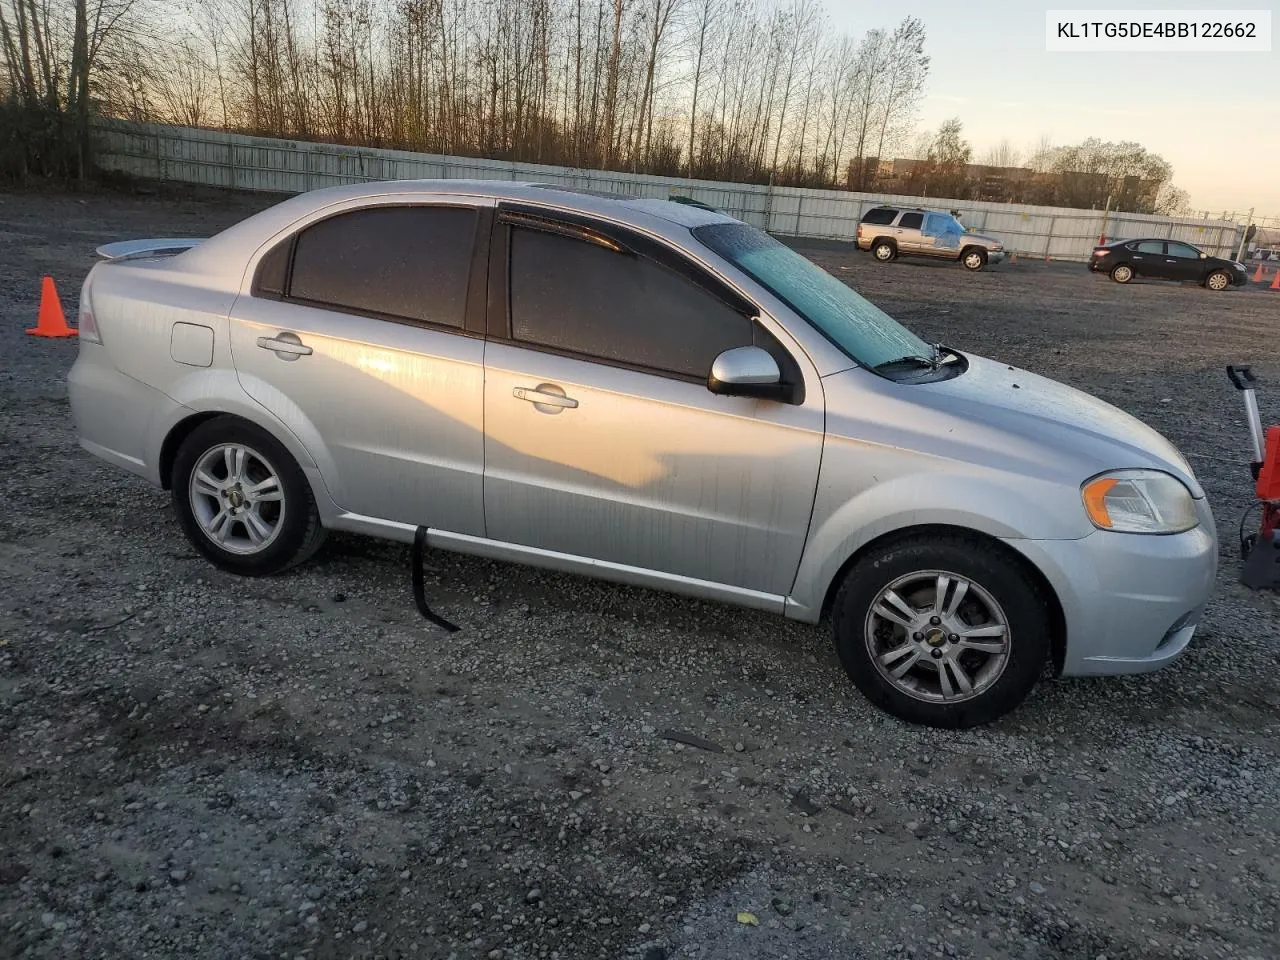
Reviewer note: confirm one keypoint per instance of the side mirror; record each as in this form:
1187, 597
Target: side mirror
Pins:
1204, 256
747, 372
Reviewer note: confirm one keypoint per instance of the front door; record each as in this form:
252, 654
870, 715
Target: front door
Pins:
1184, 263
602, 440
358, 344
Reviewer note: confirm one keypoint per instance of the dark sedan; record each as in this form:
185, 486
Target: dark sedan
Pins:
1123, 260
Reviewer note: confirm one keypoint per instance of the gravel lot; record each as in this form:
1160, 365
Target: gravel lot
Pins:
194, 765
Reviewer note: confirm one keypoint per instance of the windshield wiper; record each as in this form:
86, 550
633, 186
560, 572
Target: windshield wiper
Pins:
912, 360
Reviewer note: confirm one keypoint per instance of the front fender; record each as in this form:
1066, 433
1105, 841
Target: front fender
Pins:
846, 519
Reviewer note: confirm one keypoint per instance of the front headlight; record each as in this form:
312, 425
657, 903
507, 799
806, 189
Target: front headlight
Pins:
1139, 501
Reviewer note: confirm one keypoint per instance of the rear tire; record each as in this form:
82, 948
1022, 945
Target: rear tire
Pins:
242, 500
1122, 273
992, 635
884, 251
1218, 280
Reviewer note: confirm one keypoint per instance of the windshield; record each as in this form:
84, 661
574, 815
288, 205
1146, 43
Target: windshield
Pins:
862, 330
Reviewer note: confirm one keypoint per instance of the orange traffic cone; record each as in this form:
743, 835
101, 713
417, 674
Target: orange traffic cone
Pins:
1275, 284
51, 322
1259, 275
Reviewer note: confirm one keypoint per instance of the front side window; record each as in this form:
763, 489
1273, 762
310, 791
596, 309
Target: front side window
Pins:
580, 297
408, 262
941, 225
1183, 250
911, 221
864, 332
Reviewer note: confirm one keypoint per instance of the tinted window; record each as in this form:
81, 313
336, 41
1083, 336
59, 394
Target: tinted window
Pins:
880, 216
911, 221
269, 280
574, 295
1150, 246
862, 330
409, 262
1183, 250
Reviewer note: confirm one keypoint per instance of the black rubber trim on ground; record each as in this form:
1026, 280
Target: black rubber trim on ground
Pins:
420, 586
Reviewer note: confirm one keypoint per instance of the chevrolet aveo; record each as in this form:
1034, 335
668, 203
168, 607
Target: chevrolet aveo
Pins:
647, 392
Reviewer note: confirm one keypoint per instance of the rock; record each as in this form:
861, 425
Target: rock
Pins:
178, 876
1036, 888
782, 907
360, 927
533, 896
800, 801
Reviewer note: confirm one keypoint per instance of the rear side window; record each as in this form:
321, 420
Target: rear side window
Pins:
573, 295
911, 221
1150, 246
881, 216
407, 263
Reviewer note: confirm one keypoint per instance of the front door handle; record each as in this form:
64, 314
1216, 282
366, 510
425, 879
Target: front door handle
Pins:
286, 346
543, 396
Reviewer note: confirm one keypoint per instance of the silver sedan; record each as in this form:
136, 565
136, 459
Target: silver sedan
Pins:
648, 392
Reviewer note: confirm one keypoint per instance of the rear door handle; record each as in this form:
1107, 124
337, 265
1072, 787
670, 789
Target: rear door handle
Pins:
544, 397
286, 346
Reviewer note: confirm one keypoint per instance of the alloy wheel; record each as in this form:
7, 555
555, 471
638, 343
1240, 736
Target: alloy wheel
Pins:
237, 498
937, 636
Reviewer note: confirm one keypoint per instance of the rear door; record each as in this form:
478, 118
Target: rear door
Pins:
908, 233
364, 334
1148, 259
602, 440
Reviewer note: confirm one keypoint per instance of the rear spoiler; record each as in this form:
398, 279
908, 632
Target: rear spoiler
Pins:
139, 249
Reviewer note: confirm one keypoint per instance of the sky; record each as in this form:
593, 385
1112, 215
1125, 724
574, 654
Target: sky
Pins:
1215, 117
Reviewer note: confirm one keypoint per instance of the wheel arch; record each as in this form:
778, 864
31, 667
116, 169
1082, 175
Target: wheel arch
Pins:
1057, 616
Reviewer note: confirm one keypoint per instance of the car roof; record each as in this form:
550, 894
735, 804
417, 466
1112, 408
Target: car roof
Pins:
663, 217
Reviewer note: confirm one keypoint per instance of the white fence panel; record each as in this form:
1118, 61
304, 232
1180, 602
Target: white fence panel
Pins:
161, 152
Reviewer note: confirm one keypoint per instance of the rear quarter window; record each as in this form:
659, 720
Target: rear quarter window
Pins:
880, 216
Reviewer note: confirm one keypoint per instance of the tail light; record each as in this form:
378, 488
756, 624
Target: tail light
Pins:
1100, 251
88, 326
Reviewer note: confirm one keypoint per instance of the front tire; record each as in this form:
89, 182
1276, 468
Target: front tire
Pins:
242, 500
974, 259
942, 630
1122, 273
1218, 280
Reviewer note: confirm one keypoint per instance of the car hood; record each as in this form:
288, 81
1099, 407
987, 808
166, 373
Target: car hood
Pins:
1012, 419
981, 238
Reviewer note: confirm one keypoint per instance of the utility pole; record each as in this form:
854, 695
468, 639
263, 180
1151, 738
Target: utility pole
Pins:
1244, 235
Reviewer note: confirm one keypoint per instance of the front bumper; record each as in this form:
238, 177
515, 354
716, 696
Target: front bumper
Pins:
995, 256
1131, 602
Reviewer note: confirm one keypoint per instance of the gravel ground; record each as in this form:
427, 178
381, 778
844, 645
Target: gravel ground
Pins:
195, 765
